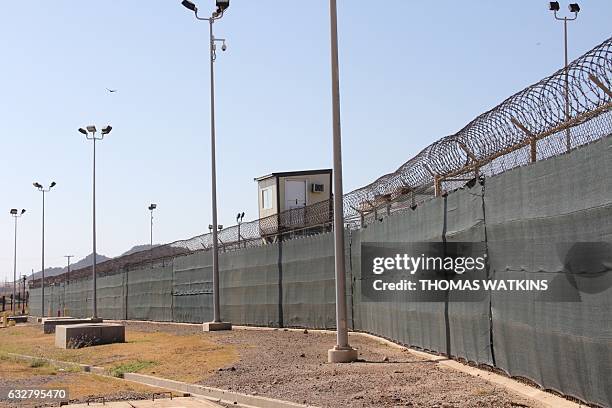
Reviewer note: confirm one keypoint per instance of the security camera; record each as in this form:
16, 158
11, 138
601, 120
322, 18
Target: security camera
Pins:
223, 47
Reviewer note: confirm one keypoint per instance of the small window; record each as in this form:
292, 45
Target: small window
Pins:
266, 198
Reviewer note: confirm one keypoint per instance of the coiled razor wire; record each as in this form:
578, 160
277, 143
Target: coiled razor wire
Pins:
570, 108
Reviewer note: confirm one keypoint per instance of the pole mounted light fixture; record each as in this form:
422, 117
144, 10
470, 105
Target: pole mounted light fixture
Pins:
15, 213
90, 134
573, 8
43, 190
222, 5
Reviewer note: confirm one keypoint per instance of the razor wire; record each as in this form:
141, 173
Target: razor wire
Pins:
565, 110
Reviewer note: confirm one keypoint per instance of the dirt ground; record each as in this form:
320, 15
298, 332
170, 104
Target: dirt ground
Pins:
20, 374
292, 366
178, 356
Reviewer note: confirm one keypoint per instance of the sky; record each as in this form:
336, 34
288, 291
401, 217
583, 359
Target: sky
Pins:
410, 73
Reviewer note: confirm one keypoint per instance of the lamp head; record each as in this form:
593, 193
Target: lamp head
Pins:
190, 5
222, 5
220, 227
107, 129
553, 6
13, 211
37, 185
22, 211
83, 131
53, 184
91, 129
152, 206
574, 7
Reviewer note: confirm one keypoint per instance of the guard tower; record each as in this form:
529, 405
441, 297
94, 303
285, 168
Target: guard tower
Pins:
294, 200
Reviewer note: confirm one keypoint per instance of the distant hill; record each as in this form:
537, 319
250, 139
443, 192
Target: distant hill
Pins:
138, 248
88, 261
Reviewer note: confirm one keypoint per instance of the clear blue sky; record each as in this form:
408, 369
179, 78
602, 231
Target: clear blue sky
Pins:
411, 72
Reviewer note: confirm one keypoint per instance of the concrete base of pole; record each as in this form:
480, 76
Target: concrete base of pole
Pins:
216, 326
341, 355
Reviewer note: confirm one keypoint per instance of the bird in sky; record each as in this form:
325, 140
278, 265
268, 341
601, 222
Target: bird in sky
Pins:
111, 90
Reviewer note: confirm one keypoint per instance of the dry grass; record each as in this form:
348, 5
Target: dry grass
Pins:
18, 369
82, 386
188, 358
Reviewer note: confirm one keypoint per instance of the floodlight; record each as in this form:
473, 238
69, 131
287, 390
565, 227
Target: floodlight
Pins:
13, 211
91, 128
152, 206
242, 216
107, 129
413, 207
83, 131
220, 226
238, 217
37, 185
574, 7
222, 5
188, 4
53, 183
553, 6
22, 211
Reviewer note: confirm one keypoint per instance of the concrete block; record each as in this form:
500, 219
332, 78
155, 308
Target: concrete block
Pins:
341, 355
88, 334
216, 326
49, 323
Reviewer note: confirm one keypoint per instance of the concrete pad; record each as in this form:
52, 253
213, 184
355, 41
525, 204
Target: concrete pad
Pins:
49, 323
89, 334
216, 326
341, 355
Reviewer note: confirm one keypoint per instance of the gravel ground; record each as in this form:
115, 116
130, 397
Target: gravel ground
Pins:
292, 366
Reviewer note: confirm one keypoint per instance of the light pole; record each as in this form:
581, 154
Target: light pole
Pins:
23, 297
239, 218
67, 280
90, 134
42, 291
342, 351
573, 8
222, 5
16, 214
151, 208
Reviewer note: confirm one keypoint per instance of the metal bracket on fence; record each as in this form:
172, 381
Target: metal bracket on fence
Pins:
471, 155
532, 139
600, 85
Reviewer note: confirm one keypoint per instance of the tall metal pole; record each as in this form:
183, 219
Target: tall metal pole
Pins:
14, 268
215, 260
93, 269
568, 141
67, 280
42, 295
151, 228
342, 352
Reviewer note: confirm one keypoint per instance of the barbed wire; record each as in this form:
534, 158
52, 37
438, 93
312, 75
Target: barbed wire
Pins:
570, 108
